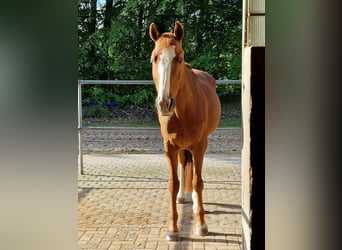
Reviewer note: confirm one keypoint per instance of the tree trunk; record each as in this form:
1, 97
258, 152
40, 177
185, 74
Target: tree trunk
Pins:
92, 19
107, 22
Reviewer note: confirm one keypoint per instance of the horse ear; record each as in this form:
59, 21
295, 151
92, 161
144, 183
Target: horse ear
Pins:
178, 31
154, 33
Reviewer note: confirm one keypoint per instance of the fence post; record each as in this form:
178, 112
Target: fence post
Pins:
80, 129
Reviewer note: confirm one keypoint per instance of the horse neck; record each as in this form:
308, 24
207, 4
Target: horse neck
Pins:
185, 95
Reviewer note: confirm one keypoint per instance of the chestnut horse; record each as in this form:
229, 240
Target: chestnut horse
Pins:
188, 111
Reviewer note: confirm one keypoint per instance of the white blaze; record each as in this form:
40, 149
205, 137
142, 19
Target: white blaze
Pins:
164, 71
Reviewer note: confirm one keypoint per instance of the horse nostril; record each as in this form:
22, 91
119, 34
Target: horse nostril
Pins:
172, 104
165, 106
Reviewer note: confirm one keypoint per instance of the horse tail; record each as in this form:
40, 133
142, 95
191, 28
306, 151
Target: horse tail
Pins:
188, 171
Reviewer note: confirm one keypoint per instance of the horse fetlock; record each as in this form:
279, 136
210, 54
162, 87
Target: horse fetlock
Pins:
173, 223
181, 194
181, 199
201, 230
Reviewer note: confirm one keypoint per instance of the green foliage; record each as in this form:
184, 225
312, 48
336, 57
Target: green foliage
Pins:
122, 49
231, 89
95, 96
144, 97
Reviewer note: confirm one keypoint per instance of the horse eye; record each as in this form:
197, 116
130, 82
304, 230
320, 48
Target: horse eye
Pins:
154, 59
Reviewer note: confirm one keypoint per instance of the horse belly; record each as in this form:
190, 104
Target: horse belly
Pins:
214, 114
211, 104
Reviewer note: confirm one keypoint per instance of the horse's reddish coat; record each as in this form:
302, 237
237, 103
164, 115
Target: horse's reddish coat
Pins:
195, 116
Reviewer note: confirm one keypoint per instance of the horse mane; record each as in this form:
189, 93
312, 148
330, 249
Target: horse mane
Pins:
170, 37
188, 65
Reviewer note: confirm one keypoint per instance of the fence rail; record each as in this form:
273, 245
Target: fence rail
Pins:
137, 82
81, 128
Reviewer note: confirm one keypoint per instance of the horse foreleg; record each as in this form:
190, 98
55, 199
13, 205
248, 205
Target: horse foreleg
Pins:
171, 155
197, 183
181, 176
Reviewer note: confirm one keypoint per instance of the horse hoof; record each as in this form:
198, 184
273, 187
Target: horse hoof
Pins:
202, 230
180, 200
172, 236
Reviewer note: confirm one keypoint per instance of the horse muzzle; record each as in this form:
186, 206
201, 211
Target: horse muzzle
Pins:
166, 106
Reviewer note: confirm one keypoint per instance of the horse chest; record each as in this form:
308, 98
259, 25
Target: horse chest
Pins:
180, 135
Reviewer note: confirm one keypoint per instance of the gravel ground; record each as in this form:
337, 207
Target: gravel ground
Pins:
120, 140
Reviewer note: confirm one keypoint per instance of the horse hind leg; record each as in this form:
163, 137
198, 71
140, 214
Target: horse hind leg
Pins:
185, 175
188, 171
181, 192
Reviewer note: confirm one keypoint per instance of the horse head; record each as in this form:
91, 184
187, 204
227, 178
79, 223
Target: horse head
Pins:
167, 60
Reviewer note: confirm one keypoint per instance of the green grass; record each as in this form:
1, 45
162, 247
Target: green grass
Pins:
121, 123
230, 111
224, 123
229, 123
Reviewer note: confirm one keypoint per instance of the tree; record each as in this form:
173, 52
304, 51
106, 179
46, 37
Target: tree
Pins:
114, 41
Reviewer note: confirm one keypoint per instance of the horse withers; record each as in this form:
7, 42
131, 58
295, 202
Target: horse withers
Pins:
189, 111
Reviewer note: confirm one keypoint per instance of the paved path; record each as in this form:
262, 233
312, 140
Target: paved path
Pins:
123, 203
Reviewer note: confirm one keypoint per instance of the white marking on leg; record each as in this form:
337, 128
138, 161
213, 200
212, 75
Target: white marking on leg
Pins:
195, 206
201, 230
181, 193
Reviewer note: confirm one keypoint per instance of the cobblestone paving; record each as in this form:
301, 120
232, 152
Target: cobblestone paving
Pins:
123, 203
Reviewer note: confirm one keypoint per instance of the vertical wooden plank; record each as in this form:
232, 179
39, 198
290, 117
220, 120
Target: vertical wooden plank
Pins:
253, 150
245, 157
253, 108
257, 6
256, 31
